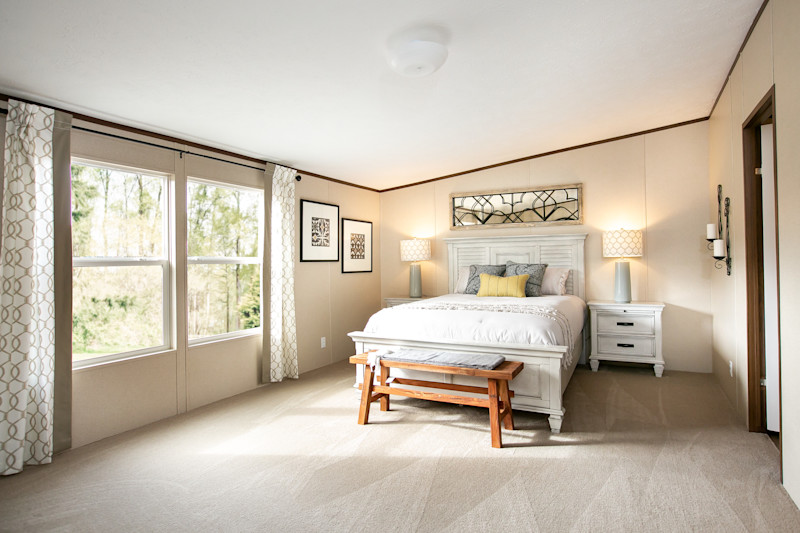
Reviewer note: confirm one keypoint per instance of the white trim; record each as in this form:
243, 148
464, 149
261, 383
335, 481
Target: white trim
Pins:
128, 356
119, 356
165, 306
163, 261
224, 260
258, 259
231, 335
117, 261
223, 184
87, 162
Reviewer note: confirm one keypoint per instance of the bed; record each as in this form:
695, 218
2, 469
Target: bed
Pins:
545, 333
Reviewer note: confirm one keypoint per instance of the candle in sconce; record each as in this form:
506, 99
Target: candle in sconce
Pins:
719, 248
711, 232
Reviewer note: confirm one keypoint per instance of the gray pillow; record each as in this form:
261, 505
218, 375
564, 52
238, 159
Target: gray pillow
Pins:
535, 274
475, 271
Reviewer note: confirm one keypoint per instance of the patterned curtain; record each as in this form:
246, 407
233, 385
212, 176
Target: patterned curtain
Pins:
283, 334
27, 303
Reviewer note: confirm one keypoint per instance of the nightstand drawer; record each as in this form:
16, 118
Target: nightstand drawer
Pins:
625, 323
618, 345
400, 300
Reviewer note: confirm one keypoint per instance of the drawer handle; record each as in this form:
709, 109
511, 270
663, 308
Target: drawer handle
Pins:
623, 345
624, 323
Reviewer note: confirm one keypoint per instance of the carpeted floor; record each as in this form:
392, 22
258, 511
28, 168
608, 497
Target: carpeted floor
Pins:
636, 453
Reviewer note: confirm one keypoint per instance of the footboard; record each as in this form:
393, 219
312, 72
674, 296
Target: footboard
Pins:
538, 388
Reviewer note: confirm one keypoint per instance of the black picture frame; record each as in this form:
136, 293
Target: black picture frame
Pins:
319, 231
356, 259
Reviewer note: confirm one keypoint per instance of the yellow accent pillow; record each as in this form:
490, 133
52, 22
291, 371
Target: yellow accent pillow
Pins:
503, 286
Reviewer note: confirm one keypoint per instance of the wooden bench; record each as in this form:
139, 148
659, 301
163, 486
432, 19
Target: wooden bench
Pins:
498, 402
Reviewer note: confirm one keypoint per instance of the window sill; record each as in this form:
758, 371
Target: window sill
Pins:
224, 337
90, 364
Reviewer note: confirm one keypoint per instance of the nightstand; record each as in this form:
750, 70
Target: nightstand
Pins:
628, 332
391, 302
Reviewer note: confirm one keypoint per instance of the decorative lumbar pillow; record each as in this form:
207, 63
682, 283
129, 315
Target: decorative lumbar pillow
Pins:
503, 285
461, 280
555, 281
535, 274
475, 271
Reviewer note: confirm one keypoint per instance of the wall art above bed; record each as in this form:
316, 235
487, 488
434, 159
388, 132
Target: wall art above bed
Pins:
553, 205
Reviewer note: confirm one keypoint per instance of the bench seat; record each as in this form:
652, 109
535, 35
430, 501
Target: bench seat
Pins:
498, 402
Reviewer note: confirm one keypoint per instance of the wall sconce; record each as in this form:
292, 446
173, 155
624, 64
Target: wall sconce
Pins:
721, 248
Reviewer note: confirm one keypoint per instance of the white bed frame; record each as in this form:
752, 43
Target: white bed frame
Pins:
539, 387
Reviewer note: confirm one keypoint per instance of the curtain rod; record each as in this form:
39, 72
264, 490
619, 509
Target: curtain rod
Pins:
156, 145
87, 118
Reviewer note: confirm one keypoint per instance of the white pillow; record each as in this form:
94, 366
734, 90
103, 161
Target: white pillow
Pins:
555, 281
461, 280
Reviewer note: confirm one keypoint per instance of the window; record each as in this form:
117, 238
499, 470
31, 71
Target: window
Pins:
224, 227
120, 248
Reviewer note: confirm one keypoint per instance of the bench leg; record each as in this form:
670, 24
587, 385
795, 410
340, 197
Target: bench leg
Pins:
508, 420
494, 415
366, 395
385, 397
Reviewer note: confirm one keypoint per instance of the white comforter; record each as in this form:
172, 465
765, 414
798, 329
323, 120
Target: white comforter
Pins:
550, 320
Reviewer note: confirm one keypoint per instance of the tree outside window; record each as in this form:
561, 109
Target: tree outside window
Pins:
120, 264
225, 229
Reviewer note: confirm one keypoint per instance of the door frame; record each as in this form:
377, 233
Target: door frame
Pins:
764, 113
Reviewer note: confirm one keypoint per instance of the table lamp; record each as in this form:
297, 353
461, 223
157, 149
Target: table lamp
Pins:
623, 244
415, 250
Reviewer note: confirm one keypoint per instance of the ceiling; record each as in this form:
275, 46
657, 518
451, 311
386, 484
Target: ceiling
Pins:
306, 83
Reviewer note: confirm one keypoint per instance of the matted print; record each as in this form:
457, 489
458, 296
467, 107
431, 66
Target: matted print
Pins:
319, 231
356, 246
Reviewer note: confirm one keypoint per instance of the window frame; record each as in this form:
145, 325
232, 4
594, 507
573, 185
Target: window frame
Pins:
167, 203
216, 260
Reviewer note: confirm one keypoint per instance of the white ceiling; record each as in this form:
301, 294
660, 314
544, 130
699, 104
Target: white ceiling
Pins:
306, 83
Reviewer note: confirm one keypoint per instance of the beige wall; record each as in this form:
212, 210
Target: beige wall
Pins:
656, 182
772, 55
114, 397
786, 46
329, 303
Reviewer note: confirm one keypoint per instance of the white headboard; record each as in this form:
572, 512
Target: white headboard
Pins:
555, 250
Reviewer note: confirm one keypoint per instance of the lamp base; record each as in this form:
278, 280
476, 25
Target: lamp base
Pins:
622, 282
415, 281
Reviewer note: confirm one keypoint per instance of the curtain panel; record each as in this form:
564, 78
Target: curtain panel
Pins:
282, 328
28, 365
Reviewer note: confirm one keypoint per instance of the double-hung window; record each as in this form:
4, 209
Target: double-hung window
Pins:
225, 236
120, 243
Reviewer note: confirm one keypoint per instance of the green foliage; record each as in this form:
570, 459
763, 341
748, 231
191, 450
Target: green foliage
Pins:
250, 308
115, 309
120, 214
83, 195
222, 222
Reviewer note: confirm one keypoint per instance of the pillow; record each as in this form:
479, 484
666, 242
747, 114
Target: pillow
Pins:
503, 285
461, 280
555, 281
535, 274
475, 271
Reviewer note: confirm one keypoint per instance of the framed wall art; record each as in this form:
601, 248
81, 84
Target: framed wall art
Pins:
319, 231
356, 246
556, 205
